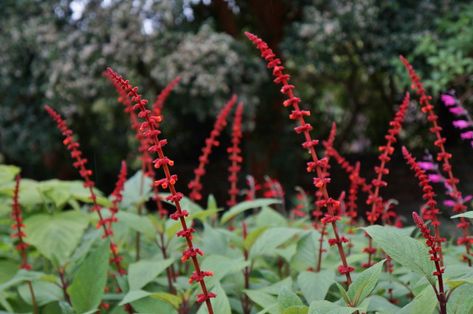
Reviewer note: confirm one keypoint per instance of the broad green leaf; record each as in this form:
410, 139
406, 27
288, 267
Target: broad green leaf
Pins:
296, 309
326, 307
276, 287
271, 239
220, 304
8, 173
343, 294
87, 288
136, 190
44, 292
133, 296
222, 266
20, 277
407, 251
288, 298
307, 251
150, 305
137, 223
172, 299
271, 218
464, 215
314, 286
461, 300
7, 270
263, 299
186, 203
252, 236
145, 271
56, 235
381, 305
424, 303
364, 283
247, 205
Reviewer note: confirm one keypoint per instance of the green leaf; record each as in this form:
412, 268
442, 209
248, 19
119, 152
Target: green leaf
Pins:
271, 239
461, 300
44, 292
424, 303
172, 299
343, 294
247, 205
145, 271
149, 305
136, 190
8, 173
364, 284
378, 304
407, 251
87, 288
464, 215
287, 298
57, 235
133, 296
137, 223
263, 299
296, 309
252, 236
326, 307
271, 218
222, 266
314, 286
20, 277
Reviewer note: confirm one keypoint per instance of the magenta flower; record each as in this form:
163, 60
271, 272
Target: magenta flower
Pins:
448, 100
427, 165
458, 111
468, 135
436, 178
461, 124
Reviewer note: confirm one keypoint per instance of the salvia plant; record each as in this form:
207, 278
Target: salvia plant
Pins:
150, 248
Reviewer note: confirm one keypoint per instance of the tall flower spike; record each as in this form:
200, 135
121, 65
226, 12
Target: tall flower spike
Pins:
161, 99
18, 226
353, 194
315, 165
235, 156
431, 211
442, 156
464, 122
374, 198
149, 129
118, 193
434, 249
80, 164
146, 160
195, 185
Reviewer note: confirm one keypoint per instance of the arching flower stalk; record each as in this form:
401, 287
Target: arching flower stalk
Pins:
443, 157
80, 164
315, 165
434, 250
149, 129
19, 233
374, 198
235, 156
195, 185
117, 193
431, 210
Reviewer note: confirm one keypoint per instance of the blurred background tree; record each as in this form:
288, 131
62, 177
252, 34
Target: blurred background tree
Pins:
343, 56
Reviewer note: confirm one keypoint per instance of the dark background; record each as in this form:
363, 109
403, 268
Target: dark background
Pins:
342, 55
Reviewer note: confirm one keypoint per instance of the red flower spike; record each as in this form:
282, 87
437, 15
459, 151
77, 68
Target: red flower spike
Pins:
18, 226
234, 156
442, 155
145, 147
431, 211
117, 194
76, 154
195, 186
435, 248
303, 128
353, 194
374, 199
149, 128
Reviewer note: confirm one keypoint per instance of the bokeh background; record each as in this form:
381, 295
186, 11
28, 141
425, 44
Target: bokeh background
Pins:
342, 55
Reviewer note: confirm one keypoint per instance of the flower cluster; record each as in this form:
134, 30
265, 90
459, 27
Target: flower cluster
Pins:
235, 156
353, 194
374, 199
195, 185
442, 156
302, 201
431, 242
253, 187
316, 165
80, 164
161, 99
18, 226
464, 121
431, 210
149, 129
272, 188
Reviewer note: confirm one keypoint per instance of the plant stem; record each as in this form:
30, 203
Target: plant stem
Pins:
341, 252
246, 304
33, 298
169, 270
321, 246
64, 285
